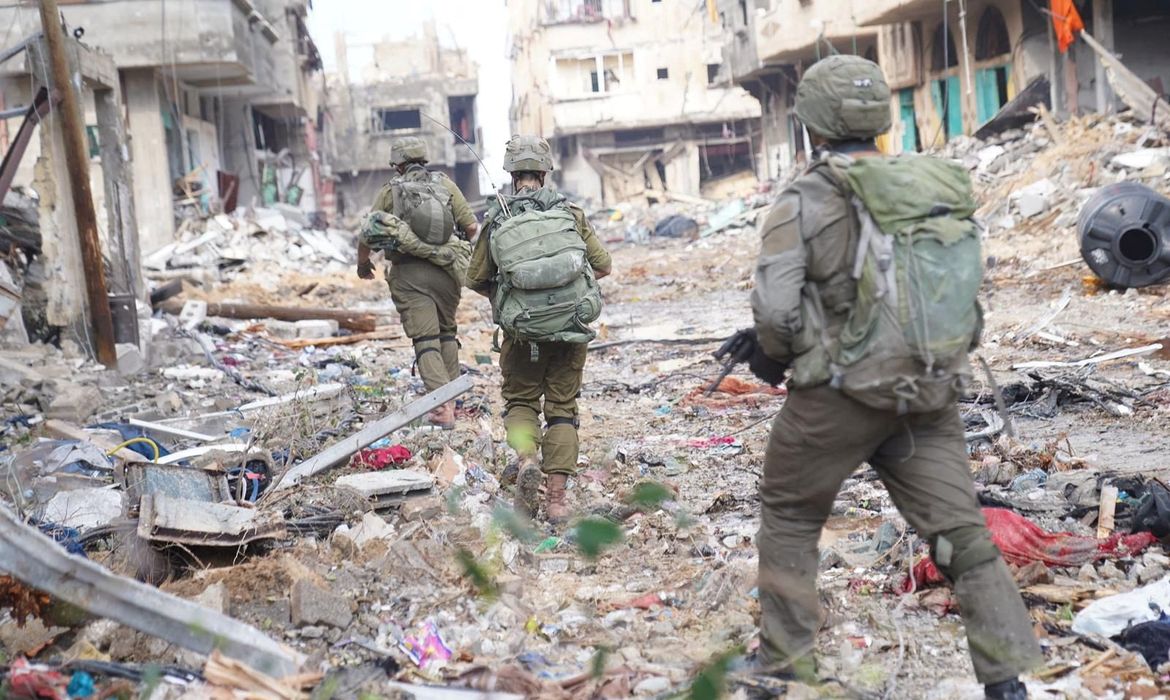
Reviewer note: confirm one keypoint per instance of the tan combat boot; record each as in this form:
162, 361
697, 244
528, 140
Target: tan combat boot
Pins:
528, 484
443, 417
556, 510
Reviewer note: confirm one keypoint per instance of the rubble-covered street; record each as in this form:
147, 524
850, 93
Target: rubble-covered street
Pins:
245, 454
404, 564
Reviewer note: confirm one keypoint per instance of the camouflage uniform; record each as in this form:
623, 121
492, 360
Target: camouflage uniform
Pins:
821, 436
425, 296
554, 375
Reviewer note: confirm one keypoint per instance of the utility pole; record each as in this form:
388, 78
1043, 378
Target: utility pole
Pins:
77, 162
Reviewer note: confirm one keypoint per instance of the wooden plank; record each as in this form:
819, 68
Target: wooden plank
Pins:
1105, 516
298, 343
38, 562
359, 321
343, 449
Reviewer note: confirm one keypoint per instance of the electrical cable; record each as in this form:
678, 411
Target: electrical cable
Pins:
135, 441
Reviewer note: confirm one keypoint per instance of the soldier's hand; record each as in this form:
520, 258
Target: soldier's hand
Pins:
739, 347
766, 369
365, 270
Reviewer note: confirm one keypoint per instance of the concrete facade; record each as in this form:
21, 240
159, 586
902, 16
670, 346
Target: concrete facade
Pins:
628, 92
413, 87
950, 73
190, 74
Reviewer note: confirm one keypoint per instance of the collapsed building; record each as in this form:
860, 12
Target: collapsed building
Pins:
218, 97
952, 66
628, 93
412, 87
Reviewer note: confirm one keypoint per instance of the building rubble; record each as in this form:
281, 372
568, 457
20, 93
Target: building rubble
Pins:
400, 565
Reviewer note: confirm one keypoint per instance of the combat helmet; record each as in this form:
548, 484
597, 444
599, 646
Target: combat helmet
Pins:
843, 98
527, 153
408, 149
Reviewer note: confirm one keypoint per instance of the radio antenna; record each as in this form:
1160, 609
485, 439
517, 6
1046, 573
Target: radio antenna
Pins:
487, 172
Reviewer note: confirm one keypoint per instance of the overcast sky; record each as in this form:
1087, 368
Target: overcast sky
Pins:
480, 26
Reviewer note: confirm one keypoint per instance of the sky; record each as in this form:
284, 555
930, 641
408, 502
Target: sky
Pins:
480, 26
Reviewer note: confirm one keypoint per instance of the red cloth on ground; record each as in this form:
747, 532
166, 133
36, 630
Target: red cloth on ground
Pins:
383, 457
1022, 542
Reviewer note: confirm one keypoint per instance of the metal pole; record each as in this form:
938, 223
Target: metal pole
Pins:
77, 162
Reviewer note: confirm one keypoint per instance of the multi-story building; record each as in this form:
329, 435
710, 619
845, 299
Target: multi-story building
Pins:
629, 94
952, 65
214, 92
413, 87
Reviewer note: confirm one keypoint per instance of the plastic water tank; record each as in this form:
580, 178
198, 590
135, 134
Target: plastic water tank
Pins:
1125, 235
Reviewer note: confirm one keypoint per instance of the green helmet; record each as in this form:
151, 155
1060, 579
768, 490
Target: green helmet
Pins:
844, 97
408, 149
527, 153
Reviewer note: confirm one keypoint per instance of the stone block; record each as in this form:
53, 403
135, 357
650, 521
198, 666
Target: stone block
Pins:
74, 403
316, 329
130, 360
312, 605
285, 330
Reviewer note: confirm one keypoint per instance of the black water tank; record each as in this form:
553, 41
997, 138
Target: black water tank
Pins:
1125, 235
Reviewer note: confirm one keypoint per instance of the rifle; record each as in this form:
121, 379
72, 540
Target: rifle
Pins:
738, 348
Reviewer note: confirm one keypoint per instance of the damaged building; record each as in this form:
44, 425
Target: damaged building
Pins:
629, 94
390, 89
952, 67
218, 100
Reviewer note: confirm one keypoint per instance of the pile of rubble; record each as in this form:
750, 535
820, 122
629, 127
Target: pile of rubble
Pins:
262, 239
267, 477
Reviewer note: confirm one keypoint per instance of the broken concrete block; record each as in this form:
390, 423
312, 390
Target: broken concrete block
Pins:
84, 508
285, 330
1031, 205
194, 312
1140, 160
74, 403
372, 528
421, 508
130, 360
312, 605
316, 329
215, 597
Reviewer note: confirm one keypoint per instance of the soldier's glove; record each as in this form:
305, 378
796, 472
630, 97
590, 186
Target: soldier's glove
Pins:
767, 370
739, 347
365, 270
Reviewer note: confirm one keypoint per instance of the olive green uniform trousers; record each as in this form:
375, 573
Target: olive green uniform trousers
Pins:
427, 298
549, 382
817, 441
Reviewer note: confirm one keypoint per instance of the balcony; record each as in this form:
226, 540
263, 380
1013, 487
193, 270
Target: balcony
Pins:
791, 30
584, 11
211, 44
652, 106
872, 13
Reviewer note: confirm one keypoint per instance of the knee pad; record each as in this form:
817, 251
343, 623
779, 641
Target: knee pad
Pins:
955, 552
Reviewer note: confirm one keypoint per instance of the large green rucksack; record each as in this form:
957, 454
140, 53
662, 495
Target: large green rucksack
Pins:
545, 289
424, 203
918, 268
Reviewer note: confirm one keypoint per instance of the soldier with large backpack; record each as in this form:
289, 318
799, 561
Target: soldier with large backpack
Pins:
866, 288
539, 260
425, 295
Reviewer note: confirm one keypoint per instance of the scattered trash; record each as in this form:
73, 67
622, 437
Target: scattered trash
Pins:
1110, 616
426, 646
382, 457
1022, 542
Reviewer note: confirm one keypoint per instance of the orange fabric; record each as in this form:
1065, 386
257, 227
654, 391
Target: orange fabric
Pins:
1067, 21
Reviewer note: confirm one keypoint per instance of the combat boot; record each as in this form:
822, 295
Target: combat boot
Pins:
443, 417
555, 508
528, 484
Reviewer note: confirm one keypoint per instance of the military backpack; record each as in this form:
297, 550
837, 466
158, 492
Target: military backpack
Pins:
918, 269
545, 289
424, 203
